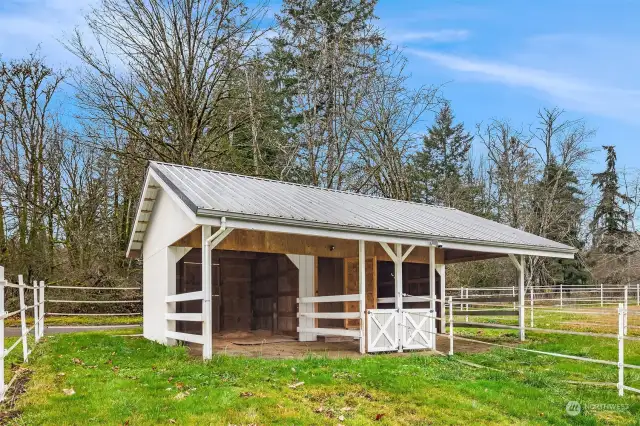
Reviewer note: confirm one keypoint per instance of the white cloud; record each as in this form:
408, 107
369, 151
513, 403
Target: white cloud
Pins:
29, 24
434, 36
569, 90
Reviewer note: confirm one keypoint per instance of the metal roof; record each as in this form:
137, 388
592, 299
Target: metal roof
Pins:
209, 193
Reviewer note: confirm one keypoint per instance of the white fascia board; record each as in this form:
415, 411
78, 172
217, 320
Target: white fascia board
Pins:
140, 203
153, 178
375, 236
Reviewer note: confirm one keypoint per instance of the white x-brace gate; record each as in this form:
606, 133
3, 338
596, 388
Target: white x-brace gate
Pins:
387, 327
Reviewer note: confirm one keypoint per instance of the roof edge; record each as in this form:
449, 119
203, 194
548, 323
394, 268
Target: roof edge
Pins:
568, 252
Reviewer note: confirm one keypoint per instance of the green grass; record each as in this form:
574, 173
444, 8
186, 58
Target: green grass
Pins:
119, 380
79, 320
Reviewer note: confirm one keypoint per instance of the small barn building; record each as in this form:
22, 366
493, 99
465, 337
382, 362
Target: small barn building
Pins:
228, 253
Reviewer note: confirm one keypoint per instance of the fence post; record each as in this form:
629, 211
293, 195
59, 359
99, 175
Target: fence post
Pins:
461, 297
601, 295
638, 294
23, 320
2, 333
513, 294
626, 307
620, 350
531, 294
561, 295
36, 311
466, 306
41, 309
450, 325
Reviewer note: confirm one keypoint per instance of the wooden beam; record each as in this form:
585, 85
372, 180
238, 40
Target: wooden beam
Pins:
274, 242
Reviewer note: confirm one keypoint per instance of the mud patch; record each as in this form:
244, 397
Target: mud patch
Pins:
16, 387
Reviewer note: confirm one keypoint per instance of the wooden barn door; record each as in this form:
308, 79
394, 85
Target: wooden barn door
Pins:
288, 277
351, 286
235, 292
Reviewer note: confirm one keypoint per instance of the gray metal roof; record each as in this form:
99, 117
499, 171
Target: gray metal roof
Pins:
208, 192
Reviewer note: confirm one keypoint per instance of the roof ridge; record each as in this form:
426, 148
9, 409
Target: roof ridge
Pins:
340, 191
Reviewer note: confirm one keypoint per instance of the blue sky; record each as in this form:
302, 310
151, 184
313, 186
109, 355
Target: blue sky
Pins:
499, 59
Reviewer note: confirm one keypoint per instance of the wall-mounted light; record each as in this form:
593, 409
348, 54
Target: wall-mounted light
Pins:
332, 248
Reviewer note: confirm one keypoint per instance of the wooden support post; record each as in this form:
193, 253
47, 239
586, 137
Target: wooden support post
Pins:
620, 350
36, 312
450, 325
207, 333
2, 313
399, 291
23, 320
362, 280
42, 311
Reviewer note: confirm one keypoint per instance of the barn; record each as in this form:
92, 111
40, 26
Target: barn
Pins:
226, 253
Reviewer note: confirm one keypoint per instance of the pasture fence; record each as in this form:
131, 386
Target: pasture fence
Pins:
495, 302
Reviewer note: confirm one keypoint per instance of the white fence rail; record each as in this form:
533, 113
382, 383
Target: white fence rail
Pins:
621, 335
37, 327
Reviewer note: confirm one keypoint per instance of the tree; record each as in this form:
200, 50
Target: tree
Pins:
442, 162
386, 135
609, 217
323, 59
167, 73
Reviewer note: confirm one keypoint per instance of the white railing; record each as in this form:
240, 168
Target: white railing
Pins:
37, 327
92, 302
171, 315
621, 336
356, 334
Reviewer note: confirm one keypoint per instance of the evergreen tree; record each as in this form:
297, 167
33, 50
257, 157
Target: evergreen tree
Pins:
566, 212
609, 218
322, 58
442, 163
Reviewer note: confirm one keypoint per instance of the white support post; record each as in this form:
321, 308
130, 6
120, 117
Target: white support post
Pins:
466, 305
36, 312
561, 297
207, 334
461, 297
399, 291
432, 278
531, 303
626, 310
450, 325
441, 272
638, 294
42, 311
620, 350
362, 279
519, 264
2, 313
513, 294
601, 295
23, 320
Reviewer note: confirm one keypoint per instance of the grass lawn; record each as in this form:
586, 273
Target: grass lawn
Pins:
79, 320
128, 380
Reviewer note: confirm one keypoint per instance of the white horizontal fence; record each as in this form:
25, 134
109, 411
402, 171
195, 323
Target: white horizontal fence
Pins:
81, 301
487, 302
37, 327
356, 334
172, 316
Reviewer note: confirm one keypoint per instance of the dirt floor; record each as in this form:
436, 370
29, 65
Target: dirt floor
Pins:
256, 344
